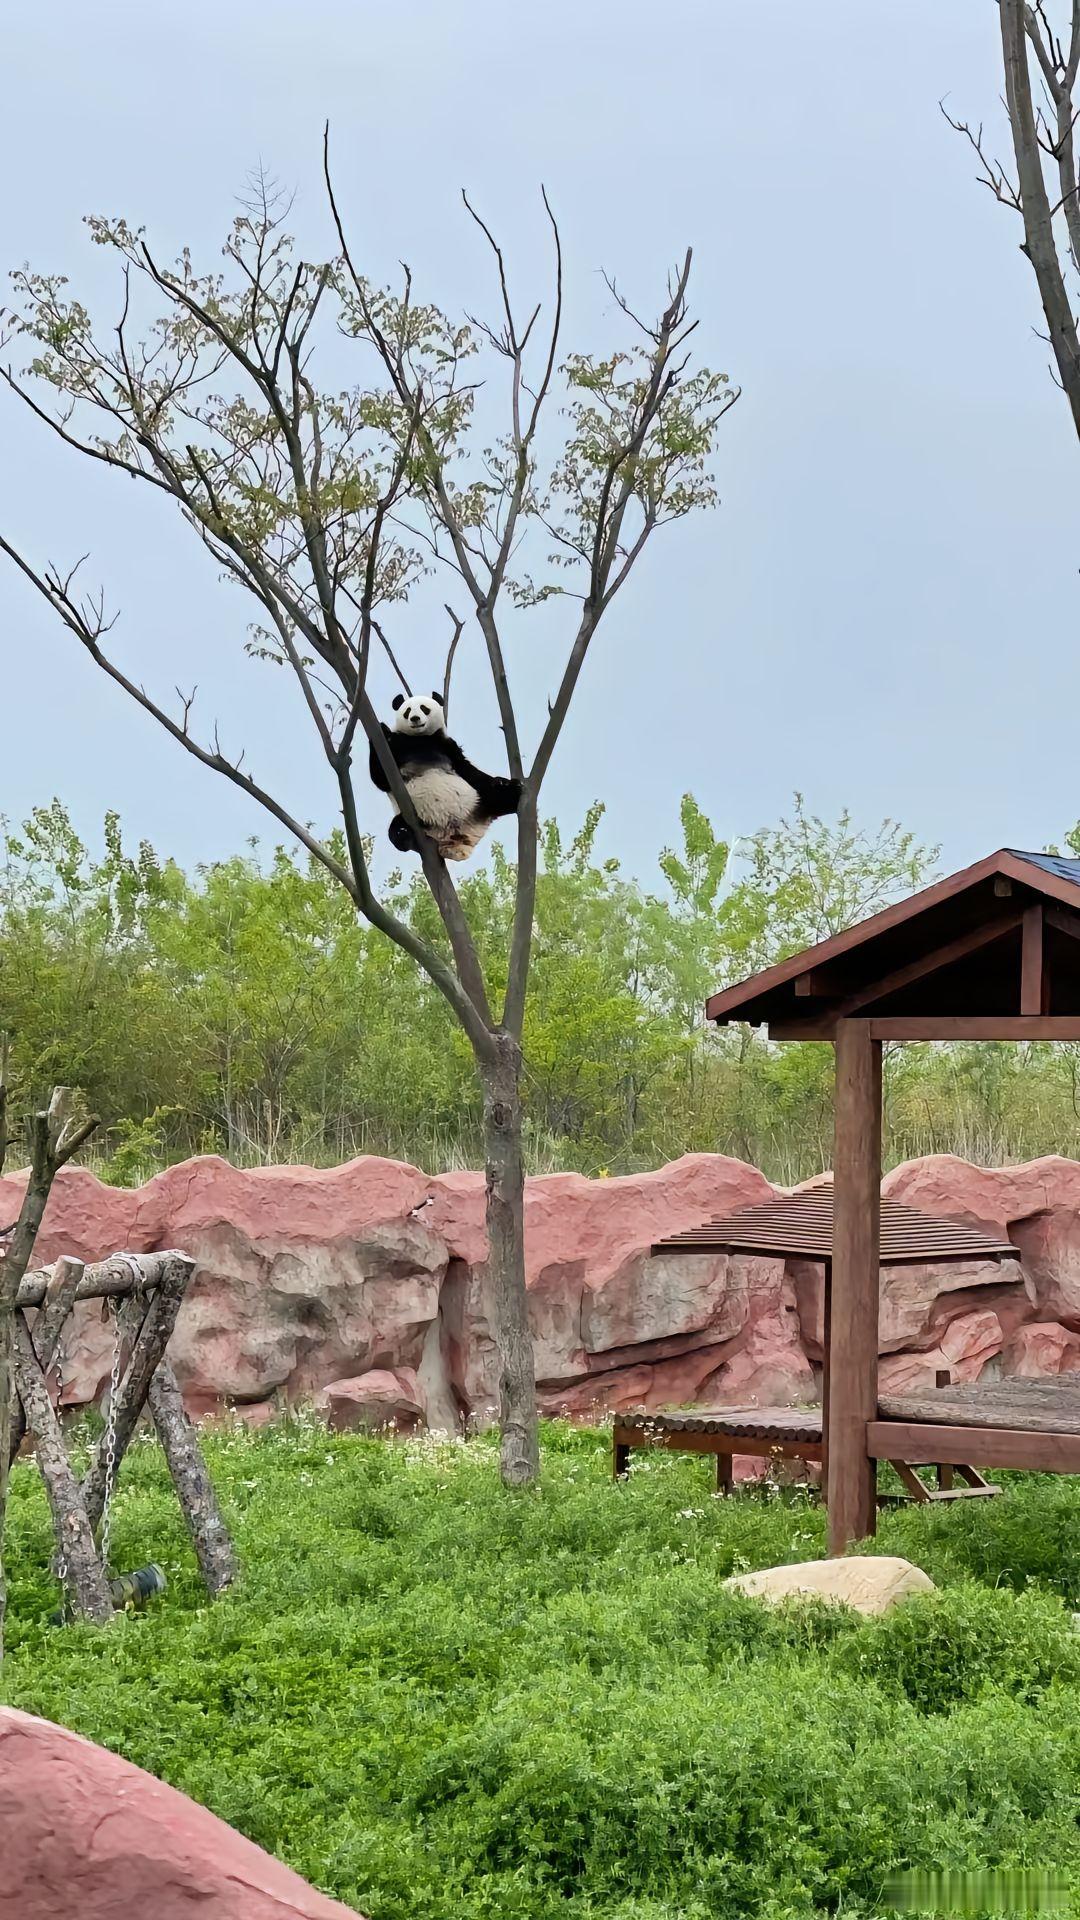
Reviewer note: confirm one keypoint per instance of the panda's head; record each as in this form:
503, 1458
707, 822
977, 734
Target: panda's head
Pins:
421, 713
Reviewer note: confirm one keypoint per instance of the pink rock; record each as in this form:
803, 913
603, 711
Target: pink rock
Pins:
298, 1205
307, 1278
376, 1399
85, 1832
965, 1348
1050, 1245
673, 1293
1040, 1350
916, 1302
988, 1197
583, 1239
595, 1225
83, 1217
265, 1313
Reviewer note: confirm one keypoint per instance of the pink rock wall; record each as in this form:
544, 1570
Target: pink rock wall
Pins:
363, 1288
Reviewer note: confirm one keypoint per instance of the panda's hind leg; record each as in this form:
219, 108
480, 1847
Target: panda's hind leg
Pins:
401, 835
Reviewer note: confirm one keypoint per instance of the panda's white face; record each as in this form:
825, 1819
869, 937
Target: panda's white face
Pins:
419, 715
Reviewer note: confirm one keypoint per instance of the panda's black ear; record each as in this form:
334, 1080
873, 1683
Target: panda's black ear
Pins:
438, 698
397, 701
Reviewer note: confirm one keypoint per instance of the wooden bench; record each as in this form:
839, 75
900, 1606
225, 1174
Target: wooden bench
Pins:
793, 1433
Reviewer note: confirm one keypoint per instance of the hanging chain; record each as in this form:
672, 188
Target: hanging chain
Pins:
110, 1439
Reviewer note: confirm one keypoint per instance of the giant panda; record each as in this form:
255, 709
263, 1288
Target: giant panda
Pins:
455, 803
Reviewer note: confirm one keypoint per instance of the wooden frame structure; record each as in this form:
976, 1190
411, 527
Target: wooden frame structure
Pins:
802, 1225
146, 1291
991, 953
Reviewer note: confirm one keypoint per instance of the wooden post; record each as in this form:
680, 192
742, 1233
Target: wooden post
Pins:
150, 1343
853, 1319
1034, 996
826, 1338
48, 1333
194, 1487
81, 1570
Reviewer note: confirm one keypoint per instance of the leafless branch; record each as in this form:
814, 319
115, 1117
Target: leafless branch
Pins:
456, 636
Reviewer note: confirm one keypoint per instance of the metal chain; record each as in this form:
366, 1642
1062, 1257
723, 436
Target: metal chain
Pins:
110, 1440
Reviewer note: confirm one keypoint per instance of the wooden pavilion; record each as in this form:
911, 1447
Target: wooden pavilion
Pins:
991, 953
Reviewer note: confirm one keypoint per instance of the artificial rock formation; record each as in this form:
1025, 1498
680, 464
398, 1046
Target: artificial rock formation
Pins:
87, 1833
362, 1288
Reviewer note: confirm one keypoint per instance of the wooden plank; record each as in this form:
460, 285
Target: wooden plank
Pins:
734, 1443
1057, 1026
853, 1323
1063, 921
1018, 1448
1040, 1406
763, 1423
1034, 997
823, 1028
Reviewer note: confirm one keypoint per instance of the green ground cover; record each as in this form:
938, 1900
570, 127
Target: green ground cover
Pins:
439, 1700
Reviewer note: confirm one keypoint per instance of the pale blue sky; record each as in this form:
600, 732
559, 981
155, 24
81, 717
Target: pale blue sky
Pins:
884, 610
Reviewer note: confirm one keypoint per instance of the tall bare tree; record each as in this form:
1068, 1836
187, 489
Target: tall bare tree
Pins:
326, 505
1041, 62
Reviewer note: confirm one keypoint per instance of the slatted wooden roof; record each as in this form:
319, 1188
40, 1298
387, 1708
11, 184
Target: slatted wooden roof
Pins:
991, 952
802, 1223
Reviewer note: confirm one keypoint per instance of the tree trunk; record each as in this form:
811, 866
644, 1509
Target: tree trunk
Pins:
505, 1170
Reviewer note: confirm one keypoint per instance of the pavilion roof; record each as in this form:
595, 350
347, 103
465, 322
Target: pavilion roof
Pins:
802, 1224
998, 941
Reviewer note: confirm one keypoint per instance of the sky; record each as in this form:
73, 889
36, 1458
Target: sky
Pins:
882, 613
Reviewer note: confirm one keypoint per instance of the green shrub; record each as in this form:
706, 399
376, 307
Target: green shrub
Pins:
942, 1649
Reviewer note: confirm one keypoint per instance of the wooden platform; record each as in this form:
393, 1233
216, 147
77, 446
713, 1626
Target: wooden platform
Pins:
1043, 1406
1030, 1426
1023, 1425
793, 1432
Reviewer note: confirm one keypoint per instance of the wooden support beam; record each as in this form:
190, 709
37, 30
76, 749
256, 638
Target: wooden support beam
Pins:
81, 1569
1002, 886
1056, 1026
194, 1487
150, 1344
1034, 996
47, 1334
953, 950
1023, 1449
105, 1279
1062, 920
853, 1319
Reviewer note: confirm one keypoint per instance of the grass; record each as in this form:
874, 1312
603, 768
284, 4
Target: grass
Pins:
436, 1699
